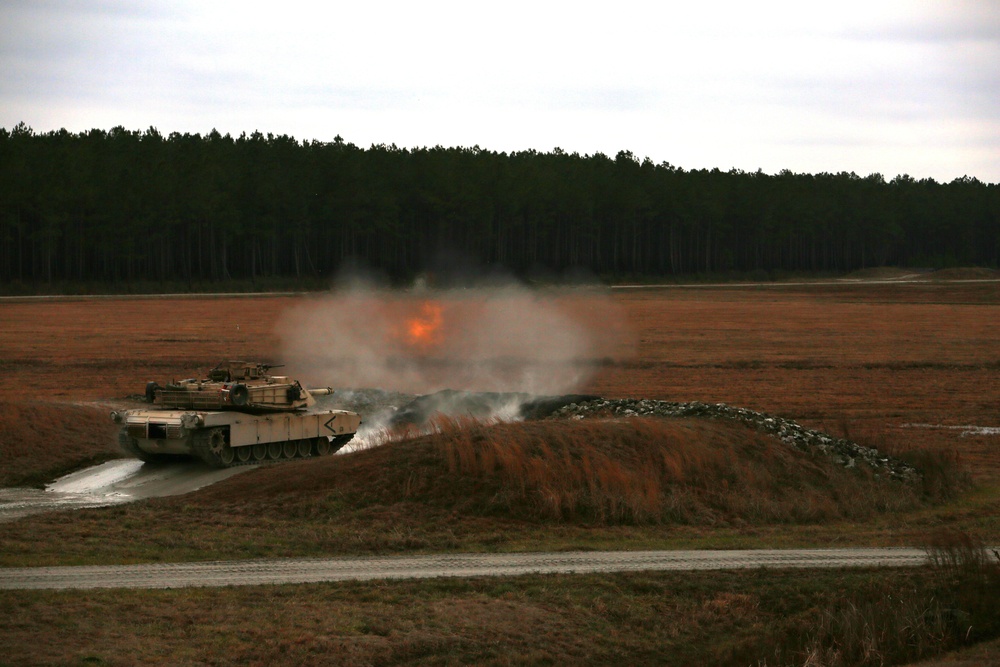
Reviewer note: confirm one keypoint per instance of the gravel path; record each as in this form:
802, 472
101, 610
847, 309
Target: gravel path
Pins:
294, 571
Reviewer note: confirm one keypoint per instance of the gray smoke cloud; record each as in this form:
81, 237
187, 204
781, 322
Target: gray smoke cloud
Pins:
509, 338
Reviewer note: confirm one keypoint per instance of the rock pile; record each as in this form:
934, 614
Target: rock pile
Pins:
845, 452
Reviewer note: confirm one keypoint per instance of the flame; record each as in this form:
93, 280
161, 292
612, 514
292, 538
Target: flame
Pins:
424, 329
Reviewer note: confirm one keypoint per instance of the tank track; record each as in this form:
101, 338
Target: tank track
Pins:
210, 446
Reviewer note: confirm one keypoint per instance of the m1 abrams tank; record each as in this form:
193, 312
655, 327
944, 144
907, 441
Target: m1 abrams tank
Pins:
239, 414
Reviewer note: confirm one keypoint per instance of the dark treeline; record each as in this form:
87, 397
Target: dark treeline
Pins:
121, 205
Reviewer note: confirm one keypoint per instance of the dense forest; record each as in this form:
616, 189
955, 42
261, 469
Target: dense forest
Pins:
122, 206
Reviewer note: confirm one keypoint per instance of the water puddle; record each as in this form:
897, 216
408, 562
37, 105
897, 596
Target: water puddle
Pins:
112, 483
966, 429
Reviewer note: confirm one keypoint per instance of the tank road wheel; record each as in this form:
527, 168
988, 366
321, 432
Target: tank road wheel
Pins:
322, 446
274, 451
260, 451
211, 446
243, 453
304, 447
227, 455
289, 449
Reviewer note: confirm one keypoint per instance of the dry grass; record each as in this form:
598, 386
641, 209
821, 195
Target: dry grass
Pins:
874, 356
40, 441
891, 353
977, 655
945, 473
648, 483
854, 359
857, 360
91, 349
590, 472
693, 618
655, 471
911, 624
643, 618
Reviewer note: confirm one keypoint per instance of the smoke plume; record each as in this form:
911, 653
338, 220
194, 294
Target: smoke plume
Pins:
507, 339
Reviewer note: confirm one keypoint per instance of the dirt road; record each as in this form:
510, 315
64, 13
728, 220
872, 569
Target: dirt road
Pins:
246, 573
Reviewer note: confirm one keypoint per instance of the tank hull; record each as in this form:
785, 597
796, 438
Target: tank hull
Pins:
224, 439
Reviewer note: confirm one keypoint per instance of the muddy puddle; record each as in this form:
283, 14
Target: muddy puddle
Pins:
112, 483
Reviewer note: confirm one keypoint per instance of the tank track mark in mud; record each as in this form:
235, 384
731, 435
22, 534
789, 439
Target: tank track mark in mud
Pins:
226, 439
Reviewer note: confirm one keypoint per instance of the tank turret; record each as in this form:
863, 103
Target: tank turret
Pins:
236, 385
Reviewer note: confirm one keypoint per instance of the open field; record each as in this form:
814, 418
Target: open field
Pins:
746, 618
813, 617
862, 360
866, 358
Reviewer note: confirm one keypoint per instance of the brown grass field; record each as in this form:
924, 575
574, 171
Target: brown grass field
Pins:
857, 360
865, 358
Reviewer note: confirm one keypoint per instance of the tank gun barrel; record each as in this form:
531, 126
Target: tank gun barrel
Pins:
320, 391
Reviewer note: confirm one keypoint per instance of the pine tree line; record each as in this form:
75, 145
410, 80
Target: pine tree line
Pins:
123, 205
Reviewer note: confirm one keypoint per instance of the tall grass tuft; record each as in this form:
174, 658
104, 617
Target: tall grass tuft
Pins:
972, 574
957, 607
943, 473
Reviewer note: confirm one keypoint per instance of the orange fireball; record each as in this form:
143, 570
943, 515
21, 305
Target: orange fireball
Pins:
424, 329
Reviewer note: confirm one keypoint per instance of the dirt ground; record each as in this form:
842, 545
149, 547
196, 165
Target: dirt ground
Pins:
900, 365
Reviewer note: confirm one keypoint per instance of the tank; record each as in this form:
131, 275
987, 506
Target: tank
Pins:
239, 414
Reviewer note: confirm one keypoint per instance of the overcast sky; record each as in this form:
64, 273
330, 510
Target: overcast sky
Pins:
808, 85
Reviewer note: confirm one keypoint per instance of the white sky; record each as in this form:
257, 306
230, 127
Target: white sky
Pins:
808, 85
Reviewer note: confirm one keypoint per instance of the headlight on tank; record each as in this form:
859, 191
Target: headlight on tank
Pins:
116, 417
191, 420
